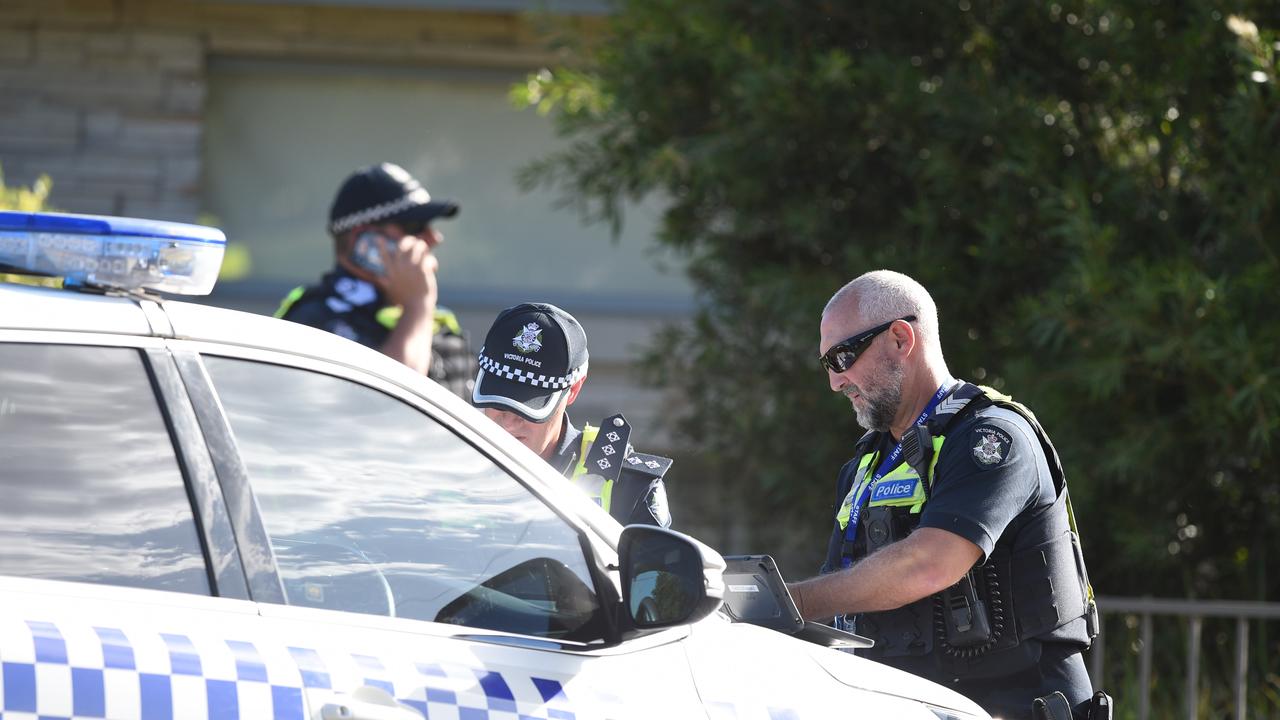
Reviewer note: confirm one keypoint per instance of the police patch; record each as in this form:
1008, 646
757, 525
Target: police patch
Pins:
991, 445
894, 489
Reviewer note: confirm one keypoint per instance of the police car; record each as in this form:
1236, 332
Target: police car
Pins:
209, 513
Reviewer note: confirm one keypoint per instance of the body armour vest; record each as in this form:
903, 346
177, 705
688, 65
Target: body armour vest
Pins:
1033, 585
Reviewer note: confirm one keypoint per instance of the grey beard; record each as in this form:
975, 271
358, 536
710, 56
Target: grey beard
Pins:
882, 401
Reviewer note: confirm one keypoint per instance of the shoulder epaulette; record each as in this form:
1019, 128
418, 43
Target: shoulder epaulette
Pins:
646, 464
609, 447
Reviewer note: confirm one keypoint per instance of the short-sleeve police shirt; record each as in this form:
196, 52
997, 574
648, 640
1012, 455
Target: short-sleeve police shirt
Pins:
991, 470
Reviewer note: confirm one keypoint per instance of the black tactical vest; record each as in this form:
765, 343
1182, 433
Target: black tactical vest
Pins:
1033, 586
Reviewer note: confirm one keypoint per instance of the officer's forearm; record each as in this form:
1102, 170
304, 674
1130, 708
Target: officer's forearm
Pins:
925, 562
410, 341
881, 581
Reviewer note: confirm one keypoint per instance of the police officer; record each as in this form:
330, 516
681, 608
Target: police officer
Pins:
382, 289
953, 546
532, 367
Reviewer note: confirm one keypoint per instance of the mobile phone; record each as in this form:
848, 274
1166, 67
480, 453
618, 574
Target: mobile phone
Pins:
366, 253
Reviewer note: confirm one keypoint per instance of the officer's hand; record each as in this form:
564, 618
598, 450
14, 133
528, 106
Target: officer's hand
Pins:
410, 277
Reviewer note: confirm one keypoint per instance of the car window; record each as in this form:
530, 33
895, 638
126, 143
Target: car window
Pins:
373, 506
92, 487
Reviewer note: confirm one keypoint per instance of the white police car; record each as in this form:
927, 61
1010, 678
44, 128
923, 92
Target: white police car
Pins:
208, 513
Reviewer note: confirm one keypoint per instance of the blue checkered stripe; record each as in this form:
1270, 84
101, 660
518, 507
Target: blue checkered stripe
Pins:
82, 672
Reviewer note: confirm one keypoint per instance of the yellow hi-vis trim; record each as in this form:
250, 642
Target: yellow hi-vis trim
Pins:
444, 319
289, 300
601, 490
901, 472
388, 317
859, 482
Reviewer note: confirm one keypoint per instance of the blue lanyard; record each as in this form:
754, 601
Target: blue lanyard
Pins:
855, 511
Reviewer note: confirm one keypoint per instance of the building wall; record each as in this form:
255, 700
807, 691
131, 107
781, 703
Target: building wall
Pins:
124, 103
107, 96
111, 98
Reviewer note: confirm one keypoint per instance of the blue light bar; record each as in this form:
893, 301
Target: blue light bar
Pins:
113, 252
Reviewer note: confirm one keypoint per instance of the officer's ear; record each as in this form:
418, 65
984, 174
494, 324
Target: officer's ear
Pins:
904, 336
574, 389
343, 241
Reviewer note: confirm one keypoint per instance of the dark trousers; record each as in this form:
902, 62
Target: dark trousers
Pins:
1061, 668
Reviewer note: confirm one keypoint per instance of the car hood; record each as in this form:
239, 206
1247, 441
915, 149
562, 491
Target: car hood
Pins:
763, 659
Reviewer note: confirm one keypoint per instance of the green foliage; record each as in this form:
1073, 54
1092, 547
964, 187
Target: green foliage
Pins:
1086, 187
21, 199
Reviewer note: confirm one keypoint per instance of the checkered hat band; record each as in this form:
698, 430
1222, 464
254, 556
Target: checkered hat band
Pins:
503, 370
377, 212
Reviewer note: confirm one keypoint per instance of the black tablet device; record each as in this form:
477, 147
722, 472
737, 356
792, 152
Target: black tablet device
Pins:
754, 592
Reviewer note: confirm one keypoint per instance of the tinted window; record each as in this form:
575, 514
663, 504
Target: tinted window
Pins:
92, 489
373, 506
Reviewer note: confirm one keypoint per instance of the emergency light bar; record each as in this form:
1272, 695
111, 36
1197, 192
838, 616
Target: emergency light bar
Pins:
113, 252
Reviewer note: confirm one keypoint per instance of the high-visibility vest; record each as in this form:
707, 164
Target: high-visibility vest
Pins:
598, 488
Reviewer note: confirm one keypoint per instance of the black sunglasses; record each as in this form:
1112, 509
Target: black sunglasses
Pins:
412, 227
845, 353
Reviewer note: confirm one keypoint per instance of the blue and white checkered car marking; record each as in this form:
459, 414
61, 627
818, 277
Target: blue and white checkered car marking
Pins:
103, 672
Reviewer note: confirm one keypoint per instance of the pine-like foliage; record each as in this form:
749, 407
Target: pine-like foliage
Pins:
1089, 190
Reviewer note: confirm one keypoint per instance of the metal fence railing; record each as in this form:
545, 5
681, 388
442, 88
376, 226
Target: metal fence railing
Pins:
1194, 613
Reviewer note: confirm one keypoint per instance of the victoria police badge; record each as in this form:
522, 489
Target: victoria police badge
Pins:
529, 340
992, 446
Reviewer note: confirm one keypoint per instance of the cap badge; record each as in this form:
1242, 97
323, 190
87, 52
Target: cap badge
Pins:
989, 449
529, 339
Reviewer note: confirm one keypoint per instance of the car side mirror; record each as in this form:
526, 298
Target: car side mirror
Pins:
668, 578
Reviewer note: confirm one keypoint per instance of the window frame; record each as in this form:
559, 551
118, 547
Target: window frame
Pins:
223, 570
250, 528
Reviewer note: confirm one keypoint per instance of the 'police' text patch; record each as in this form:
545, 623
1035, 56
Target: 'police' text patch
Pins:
894, 489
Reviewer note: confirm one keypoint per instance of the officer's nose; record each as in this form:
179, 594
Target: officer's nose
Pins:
837, 381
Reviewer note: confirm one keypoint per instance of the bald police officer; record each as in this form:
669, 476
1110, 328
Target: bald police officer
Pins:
953, 544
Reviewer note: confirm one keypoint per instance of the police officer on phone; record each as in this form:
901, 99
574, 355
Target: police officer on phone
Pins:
953, 544
532, 367
382, 289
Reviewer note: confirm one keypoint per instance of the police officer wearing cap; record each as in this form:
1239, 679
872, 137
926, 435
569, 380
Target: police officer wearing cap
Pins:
953, 545
532, 367
382, 289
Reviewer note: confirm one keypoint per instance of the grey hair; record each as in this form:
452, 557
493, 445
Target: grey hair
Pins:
883, 295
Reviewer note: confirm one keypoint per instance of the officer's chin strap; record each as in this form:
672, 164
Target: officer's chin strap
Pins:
1054, 706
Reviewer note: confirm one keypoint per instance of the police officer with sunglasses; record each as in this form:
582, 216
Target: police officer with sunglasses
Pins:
953, 542
382, 290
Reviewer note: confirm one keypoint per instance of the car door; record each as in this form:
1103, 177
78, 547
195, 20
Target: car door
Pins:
419, 574
121, 590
